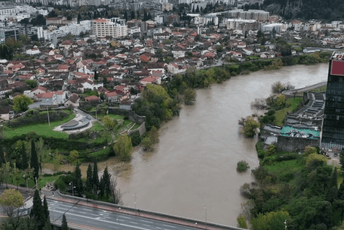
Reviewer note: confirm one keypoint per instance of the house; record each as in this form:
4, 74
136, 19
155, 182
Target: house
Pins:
4, 113
150, 80
92, 99
172, 68
35, 91
33, 51
111, 96
125, 104
156, 66
48, 99
60, 97
73, 101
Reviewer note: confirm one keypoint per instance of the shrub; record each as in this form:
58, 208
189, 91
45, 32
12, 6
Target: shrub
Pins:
271, 112
242, 222
242, 166
271, 150
136, 139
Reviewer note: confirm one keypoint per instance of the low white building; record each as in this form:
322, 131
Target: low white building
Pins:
33, 51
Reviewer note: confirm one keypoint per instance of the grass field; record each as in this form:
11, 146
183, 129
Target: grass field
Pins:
280, 114
43, 180
40, 129
286, 167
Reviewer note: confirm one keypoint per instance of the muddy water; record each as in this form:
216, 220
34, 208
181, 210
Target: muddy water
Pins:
194, 165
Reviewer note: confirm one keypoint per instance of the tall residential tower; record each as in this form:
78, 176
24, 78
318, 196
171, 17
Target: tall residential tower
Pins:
333, 125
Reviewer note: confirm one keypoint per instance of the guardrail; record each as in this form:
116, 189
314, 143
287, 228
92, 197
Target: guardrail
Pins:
153, 215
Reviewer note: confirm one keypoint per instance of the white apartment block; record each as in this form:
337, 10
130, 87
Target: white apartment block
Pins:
113, 27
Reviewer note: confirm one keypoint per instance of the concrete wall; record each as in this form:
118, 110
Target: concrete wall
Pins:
293, 144
153, 215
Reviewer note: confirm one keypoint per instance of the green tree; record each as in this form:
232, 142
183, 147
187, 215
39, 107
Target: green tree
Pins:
47, 225
271, 150
147, 144
89, 180
37, 212
309, 150
73, 156
78, 181
34, 160
95, 178
153, 135
242, 166
189, 96
109, 122
24, 163
250, 126
341, 160
242, 222
315, 160
123, 147
21, 103
41, 151
31, 83
57, 159
11, 199
270, 220
64, 225
2, 157
105, 190
46, 211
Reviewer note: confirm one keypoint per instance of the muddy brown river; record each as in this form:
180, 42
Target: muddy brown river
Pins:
194, 165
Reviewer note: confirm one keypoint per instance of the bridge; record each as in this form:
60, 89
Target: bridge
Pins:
87, 214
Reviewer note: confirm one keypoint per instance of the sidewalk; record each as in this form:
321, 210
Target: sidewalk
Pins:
300, 90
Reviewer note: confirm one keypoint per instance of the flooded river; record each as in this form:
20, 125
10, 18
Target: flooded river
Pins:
194, 165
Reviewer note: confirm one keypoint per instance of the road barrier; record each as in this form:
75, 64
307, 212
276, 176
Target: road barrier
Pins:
149, 214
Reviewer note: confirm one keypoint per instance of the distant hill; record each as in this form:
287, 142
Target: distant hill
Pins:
328, 10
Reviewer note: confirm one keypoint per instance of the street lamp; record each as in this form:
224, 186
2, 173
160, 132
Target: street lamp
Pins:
71, 183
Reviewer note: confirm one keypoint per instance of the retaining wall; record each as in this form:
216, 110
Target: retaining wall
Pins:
292, 144
152, 215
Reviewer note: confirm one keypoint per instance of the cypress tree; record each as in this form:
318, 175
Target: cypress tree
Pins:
78, 182
64, 225
2, 157
95, 178
47, 225
34, 159
37, 211
46, 210
106, 183
24, 163
89, 178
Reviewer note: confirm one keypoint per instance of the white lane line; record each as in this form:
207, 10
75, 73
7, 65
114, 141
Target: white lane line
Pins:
147, 221
169, 226
132, 222
110, 222
146, 225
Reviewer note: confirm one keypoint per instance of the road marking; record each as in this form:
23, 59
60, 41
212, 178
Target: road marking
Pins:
125, 217
169, 226
132, 222
146, 225
110, 222
147, 221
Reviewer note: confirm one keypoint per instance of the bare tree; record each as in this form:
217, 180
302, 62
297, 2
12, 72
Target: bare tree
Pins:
259, 103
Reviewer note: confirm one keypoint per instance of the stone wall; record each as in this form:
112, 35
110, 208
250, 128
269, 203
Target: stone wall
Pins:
130, 114
295, 144
141, 130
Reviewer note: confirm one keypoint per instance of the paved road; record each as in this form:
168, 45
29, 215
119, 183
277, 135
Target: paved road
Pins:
304, 89
91, 218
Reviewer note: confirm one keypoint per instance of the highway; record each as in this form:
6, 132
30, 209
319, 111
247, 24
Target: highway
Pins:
83, 216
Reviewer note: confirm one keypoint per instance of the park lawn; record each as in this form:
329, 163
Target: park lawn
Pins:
96, 126
280, 114
40, 129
